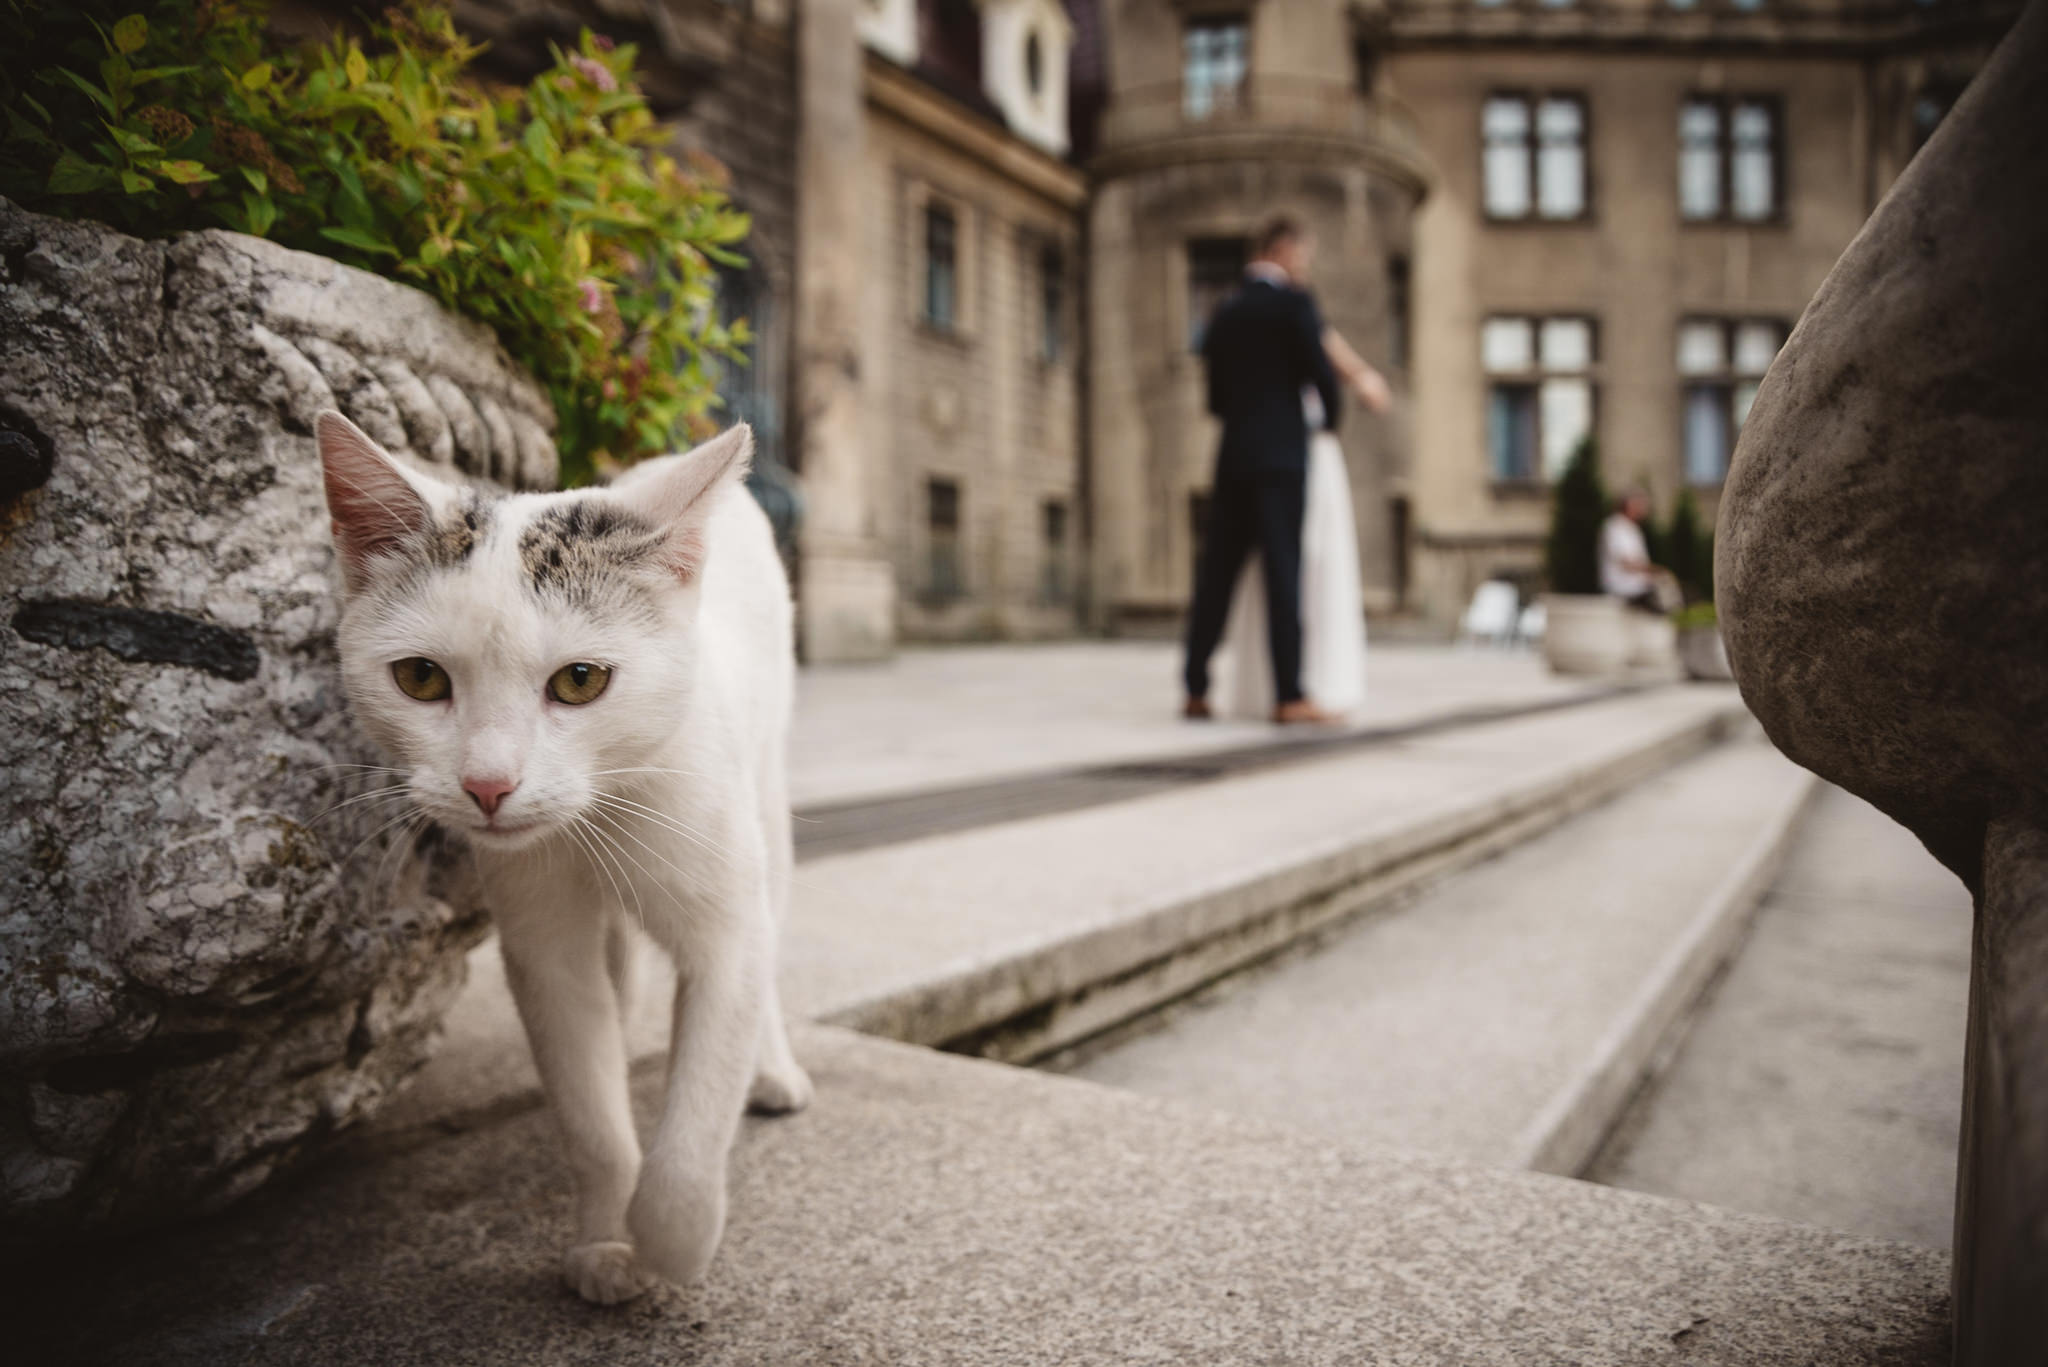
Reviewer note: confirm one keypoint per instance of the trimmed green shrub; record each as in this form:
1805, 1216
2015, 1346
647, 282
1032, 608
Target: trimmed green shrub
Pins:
1690, 548
1578, 508
549, 211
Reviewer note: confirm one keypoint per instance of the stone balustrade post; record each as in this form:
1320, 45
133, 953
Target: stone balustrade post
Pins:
1882, 569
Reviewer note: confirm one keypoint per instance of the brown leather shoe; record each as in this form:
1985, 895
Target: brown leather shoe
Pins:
1302, 712
1197, 709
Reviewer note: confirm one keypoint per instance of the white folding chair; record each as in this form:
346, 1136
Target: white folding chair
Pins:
1493, 614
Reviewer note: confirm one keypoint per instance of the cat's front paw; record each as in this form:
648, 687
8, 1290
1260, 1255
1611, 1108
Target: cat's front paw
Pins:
603, 1273
676, 1224
779, 1091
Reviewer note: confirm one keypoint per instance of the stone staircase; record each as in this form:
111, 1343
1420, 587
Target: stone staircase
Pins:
935, 1208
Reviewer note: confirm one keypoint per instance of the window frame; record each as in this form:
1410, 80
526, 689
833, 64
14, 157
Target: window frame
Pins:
1216, 19
1051, 258
938, 593
1056, 566
1532, 378
1532, 100
1725, 383
932, 212
1725, 103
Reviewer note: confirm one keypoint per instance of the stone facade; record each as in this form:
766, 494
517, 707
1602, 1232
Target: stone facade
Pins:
975, 419
1848, 91
214, 948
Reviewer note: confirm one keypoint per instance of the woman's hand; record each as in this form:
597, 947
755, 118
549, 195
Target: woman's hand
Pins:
1371, 388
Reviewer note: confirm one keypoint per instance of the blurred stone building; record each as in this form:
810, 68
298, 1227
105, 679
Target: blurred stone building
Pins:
987, 234
1215, 118
1633, 202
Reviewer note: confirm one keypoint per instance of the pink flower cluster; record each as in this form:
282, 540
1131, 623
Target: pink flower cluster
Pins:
596, 72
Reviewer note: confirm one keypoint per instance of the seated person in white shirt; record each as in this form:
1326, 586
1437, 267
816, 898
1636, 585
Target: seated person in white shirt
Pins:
1625, 569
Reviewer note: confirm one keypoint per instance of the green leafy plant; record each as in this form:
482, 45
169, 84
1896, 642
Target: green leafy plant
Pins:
1578, 508
550, 211
1695, 617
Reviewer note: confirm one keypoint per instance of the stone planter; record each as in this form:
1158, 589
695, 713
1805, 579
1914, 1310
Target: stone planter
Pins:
1703, 654
1652, 641
1586, 633
205, 964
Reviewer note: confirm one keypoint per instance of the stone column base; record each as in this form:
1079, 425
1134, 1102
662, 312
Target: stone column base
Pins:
846, 607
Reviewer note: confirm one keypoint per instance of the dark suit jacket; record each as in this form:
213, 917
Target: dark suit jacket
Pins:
1264, 343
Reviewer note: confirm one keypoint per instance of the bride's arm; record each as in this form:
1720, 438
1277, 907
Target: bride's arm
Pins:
1367, 383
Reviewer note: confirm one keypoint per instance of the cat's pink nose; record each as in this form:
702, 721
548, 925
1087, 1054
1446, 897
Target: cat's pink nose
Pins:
487, 793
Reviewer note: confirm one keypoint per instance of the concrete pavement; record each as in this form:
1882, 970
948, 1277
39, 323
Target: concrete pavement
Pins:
936, 717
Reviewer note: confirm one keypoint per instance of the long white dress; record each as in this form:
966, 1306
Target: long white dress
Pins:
1332, 608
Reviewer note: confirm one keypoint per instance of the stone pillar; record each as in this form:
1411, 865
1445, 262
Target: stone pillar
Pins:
1882, 576
846, 591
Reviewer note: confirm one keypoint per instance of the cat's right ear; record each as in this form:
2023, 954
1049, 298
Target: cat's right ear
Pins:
375, 505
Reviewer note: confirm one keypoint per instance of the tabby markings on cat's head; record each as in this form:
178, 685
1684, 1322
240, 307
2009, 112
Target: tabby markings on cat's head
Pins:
449, 541
567, 548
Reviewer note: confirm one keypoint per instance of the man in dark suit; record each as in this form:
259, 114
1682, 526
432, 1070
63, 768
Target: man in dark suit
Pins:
1262, 347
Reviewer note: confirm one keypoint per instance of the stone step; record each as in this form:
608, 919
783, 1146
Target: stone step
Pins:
930, 1209
1507, 1014
1822, 1079
1019, 939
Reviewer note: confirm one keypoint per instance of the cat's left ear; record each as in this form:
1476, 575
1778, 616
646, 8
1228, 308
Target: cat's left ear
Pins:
682, 492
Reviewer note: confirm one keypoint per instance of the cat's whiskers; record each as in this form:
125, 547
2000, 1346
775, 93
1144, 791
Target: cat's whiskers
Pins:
621, 830
384, 826
402, 847
583, 831
665, 820
379, 795
624, 853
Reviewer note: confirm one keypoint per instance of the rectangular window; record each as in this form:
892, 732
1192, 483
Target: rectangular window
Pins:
942, 523
1699, 160
1213, 63
1533, 160
1540, 395
1728, 160
941, 267
1054, 586
1511, 431
1561, 158
1397, 311
1720, 363
1215, 268
1753, 161
1052, 303
1504, 126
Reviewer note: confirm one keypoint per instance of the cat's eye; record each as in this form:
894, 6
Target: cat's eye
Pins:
419, 677
578, 683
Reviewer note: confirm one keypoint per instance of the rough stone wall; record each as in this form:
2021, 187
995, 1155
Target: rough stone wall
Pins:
205, 962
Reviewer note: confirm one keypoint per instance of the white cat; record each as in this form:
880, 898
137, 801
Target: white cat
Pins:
594, 689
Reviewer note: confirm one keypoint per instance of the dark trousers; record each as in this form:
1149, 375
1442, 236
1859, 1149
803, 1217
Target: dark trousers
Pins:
1259, 512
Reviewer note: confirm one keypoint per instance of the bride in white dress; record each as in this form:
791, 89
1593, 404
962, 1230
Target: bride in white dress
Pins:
1332, 608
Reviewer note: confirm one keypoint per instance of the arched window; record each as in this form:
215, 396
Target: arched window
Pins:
1034, 65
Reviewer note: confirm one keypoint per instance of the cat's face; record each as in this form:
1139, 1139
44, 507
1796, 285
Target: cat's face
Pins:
519, 657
